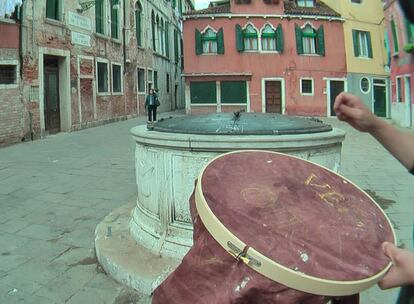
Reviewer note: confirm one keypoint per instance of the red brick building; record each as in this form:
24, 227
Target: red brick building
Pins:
264, 56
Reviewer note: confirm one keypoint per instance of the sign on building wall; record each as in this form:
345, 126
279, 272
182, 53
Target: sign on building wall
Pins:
81, 39
80, 21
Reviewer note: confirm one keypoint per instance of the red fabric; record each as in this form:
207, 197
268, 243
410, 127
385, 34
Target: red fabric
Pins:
210, 275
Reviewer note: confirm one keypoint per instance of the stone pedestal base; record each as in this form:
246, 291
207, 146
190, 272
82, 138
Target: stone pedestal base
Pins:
126, 261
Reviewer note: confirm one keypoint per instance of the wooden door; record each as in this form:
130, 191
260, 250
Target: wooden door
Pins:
51, 93
380, 101
336, 87
273, 91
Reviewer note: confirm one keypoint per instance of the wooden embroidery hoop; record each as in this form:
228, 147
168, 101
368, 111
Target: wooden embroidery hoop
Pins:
269, 268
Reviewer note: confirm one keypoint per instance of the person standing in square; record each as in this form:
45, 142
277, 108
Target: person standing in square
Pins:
151, 105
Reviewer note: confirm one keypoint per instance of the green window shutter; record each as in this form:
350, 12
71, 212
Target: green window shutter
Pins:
233, 92
173, 3
198, 43
167, 39
153, 32
409, 29
279, 39
203, 92
220, 41
394, 36
321, 41
369, 42
138, 27
180, 6
299, 42
239, 38
52, 9
356, 42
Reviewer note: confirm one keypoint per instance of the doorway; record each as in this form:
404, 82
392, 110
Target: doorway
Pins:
335, 87
273, 97
380, 97
51, 94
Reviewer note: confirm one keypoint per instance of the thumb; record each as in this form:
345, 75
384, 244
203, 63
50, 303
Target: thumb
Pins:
393, 278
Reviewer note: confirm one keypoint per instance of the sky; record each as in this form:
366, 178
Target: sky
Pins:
201, 3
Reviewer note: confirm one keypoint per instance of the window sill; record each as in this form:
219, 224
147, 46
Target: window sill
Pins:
116, 40
103, 94
8, 86
161, 56
142, 93
395, 54
233, 104
54, 22
270, 52
311, 55
307, 94
102, 36
364, 57
210, 54
118, 93
204, 104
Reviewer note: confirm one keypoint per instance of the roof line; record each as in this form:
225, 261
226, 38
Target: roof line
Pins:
291, 16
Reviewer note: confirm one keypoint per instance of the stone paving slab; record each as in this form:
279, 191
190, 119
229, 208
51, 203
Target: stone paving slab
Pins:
53, 193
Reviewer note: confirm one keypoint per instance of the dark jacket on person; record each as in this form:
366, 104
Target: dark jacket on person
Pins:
156, 101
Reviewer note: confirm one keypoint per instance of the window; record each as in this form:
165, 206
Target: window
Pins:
357, 1
155, 80
362, 44
116, 78
167, 39
306, 3
233, 92
52, 9
410, 30
209, 39
8, 74
114, 19
203, 92
306, 86
210, 42
250, 38
99, 17
399, 89
268, 39
153, 31
176, 42
138, 25
365, 85
310, 41
394, 36
149, 76
141, 80
103, 79
168, 82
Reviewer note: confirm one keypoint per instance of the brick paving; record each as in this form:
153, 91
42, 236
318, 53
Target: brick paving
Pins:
53, 193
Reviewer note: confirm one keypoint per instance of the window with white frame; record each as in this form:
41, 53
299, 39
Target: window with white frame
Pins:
149, 79
362, 44
268, 38
306, 3
115, 24
100, 16
309, 40
141, 80
209, 40
116, 78
356, 1
250, 38
306, 86
102, 71
8, 74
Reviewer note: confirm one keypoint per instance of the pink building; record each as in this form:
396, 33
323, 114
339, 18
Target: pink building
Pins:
264, 56
400, 33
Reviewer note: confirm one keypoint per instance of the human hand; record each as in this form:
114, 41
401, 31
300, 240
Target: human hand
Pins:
402, 271
350, 108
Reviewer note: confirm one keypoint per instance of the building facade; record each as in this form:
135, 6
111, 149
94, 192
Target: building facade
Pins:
366, 57
400, 34
273, 56
83, 63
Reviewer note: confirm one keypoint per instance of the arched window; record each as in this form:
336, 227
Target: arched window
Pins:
157, 34
138, 24
209, 39
250, 38
268, 38
162, 37
153, 32
309, 40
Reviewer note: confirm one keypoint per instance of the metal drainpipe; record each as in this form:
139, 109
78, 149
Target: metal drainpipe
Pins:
125, 55
21, 40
